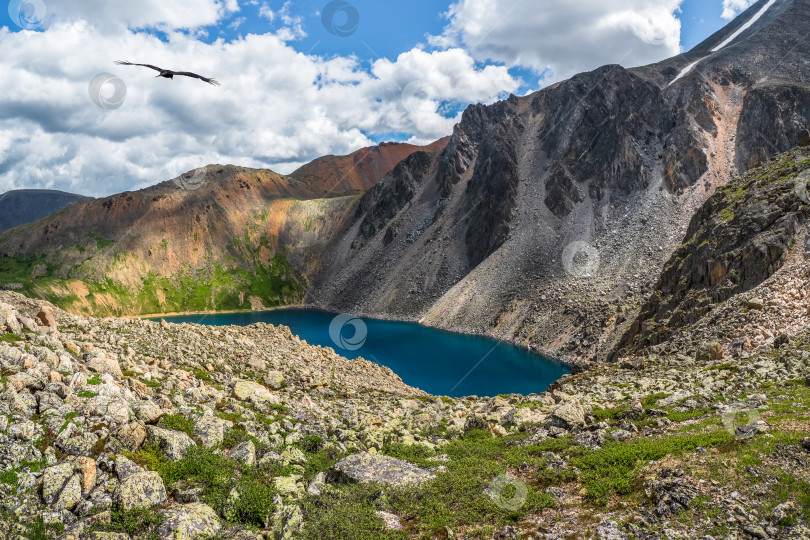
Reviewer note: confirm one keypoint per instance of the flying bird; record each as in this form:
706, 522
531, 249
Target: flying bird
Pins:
169, 74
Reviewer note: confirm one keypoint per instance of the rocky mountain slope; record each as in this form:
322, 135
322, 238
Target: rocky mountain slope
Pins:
548, 216
22, 206
131, 429
217, 238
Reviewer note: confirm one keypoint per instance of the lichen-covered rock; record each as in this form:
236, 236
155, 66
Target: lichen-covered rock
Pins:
253, 392
288, 521
147, 412
567, 415
390, 521
8, 319
80, 444
710, 351
125, 467
289, 486
194, 521
292, 456
274, 379
132, 436
53, 480
71, 494
210, 430
369, 467
101, 362
140, 490
174, 444
245, 453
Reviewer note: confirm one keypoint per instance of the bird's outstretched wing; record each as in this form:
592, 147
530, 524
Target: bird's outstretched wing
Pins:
194, 75
125, 63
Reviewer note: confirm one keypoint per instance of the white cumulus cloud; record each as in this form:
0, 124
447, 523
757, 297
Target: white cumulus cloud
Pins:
559, 37
732, 8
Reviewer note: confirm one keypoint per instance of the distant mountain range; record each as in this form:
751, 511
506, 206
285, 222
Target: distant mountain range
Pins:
219, 237
22, 206
544, 219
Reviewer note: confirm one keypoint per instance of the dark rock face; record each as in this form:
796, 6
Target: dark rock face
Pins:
491, 199
489, 134
379, 205
772, 118
804, 138
596, 125
737, 240
28, 205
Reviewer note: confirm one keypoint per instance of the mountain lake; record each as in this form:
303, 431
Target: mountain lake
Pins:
439, 362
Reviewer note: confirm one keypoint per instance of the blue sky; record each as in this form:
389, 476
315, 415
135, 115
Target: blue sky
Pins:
294, 87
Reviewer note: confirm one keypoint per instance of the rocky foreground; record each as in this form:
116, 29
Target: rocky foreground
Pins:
130, 429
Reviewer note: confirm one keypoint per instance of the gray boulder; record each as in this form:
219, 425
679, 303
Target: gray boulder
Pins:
210, 430
245, 453
54, 480
367, 467
147, 412
124, 467
568, 415
174, 444
190, 522
140, 490
100, 362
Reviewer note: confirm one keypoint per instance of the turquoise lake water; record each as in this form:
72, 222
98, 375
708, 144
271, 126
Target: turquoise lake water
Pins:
441, 363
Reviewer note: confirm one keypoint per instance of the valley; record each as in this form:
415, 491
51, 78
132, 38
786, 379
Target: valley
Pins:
581, 315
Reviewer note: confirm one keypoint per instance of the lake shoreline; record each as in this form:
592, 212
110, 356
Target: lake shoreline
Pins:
436, 360
574, 363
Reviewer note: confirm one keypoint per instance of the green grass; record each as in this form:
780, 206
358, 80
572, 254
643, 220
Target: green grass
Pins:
609, 414
9, 477
177, 422
139, 523
213, 287
86, 394
613, 468
10, 337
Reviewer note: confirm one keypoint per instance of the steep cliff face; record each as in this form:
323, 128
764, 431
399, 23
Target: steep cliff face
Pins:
737, 240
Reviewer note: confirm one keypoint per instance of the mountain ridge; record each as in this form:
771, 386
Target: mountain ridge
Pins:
20, 206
